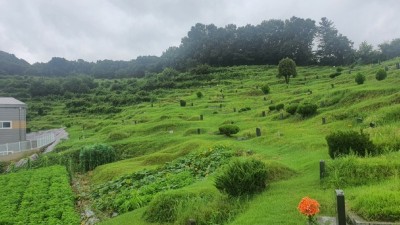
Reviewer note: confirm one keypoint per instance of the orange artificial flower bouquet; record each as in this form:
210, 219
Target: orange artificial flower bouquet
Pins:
309, 207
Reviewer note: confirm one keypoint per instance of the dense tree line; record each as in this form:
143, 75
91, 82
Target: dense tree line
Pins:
266, 43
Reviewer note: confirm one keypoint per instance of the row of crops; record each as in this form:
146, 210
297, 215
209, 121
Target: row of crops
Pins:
41, 196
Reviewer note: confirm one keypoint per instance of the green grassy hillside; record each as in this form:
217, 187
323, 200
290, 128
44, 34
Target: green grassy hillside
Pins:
148, 135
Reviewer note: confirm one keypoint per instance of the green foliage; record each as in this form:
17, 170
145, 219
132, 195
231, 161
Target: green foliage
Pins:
378, 203
117, 135
242, 177
204, 206
271, 107
244, 109
95, 155
201, 69
352, 170
265, 89
229, 129
360, 78
292, 108
279, 107
339, 69
199, 94
164, 206
345, 142
136, 190
37, 197
341, 54
335, 74
307, 109
287, 69
182, 103
103, 109
381, 75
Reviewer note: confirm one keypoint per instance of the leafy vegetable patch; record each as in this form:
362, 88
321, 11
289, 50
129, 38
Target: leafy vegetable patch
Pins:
136, 190
41, 196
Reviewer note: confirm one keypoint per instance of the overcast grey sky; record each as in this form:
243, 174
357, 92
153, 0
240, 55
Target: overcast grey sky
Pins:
37, 30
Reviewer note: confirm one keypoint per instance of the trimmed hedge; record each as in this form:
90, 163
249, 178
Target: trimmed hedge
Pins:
229, 129
307, 109
346, 142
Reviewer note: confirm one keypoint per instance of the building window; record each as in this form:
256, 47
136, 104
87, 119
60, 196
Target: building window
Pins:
5, 125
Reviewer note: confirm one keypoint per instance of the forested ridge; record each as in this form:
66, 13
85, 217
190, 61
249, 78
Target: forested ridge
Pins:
303, 40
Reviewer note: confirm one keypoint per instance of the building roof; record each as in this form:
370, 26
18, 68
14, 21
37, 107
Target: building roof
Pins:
10, 102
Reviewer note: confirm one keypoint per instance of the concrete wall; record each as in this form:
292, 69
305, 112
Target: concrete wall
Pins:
17, 116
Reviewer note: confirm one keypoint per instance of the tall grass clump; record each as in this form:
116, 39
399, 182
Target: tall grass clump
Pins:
203, 206
95, 155
378, 203
242, 177
352, 170
164, 207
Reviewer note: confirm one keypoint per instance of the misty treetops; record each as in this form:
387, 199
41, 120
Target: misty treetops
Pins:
302, 40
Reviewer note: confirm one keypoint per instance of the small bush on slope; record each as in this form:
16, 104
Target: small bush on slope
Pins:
242, 177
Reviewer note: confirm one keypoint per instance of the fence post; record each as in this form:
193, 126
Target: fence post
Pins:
340, 207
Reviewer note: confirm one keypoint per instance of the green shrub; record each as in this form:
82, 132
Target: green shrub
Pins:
307, 109
344, 142
292, 108
271, 107
279, 107
182, 103
229, 129
201, 69
95, 155
244, 109
242, 177
333, 75
199, 94
265, 89
210, 207
117, 135
164, 207
381, 75
360, 78
205, 206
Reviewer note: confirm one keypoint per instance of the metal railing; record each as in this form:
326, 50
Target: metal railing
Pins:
11, 148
